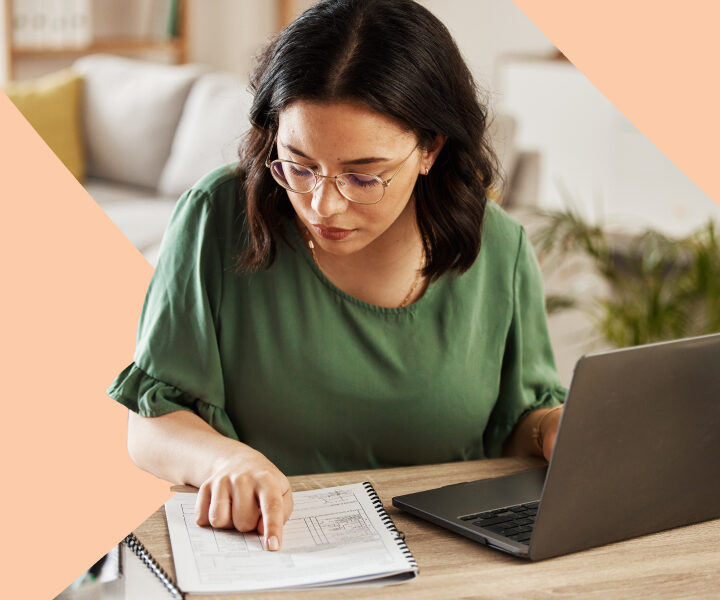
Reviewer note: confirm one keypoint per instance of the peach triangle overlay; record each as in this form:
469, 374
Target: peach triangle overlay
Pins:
657, 62
73, 288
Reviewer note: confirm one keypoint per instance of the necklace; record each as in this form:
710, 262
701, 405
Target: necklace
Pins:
416, 281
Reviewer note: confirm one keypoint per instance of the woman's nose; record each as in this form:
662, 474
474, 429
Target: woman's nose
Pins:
327, 199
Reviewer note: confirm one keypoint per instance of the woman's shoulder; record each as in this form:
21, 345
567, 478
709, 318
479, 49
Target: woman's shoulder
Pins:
489, 284
501, 234
220, 188
214, 206
208, 214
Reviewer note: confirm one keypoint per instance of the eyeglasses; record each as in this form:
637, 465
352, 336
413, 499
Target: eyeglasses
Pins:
360, 188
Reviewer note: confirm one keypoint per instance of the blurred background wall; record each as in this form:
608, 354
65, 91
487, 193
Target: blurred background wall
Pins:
589, 151
226, 34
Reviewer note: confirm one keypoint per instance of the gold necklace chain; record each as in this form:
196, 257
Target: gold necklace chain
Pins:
416, 282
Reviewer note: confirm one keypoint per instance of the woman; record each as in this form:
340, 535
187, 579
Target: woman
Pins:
345, 298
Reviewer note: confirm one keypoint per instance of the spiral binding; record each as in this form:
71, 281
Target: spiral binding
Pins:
136, 546
388, 522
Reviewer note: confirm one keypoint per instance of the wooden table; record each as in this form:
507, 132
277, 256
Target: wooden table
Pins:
680, 563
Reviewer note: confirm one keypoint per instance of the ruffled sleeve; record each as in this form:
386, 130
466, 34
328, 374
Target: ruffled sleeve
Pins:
177, 363
529, 378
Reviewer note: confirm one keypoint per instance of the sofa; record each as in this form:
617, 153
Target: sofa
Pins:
151, 130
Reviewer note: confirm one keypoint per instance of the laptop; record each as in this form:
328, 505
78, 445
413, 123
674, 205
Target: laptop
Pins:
637, 451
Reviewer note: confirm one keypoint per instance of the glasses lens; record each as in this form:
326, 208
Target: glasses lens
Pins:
361, 188
292, 176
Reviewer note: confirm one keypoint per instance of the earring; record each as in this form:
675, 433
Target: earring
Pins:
427, 170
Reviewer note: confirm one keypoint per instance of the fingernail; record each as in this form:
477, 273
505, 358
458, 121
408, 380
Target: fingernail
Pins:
272, 543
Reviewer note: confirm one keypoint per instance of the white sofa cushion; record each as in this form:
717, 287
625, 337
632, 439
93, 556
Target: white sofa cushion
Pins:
213, 121
131, 111
139, 213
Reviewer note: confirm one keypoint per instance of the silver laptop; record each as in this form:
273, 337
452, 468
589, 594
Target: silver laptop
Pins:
638, 451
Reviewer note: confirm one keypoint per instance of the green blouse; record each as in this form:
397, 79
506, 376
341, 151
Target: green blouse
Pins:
318, 380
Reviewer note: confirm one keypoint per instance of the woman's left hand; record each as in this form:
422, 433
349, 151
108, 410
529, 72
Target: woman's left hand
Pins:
549, 429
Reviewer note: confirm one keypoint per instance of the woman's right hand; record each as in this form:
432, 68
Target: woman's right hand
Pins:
246, 491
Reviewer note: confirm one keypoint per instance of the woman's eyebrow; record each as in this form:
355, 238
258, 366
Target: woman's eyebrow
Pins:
356, 161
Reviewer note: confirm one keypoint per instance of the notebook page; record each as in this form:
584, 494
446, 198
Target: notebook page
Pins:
334, 535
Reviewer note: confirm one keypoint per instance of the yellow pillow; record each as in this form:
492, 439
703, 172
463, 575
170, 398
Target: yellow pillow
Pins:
51, 104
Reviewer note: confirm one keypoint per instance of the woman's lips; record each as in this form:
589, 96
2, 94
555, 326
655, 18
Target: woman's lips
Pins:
332, 233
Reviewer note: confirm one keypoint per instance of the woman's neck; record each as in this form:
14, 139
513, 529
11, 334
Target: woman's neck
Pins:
386, 270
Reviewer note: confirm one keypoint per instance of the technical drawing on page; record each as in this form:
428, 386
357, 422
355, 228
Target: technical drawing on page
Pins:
335, 532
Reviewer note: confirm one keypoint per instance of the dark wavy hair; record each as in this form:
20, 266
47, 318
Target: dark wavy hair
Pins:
398, 59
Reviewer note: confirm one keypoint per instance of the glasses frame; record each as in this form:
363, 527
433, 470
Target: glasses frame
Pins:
384, 182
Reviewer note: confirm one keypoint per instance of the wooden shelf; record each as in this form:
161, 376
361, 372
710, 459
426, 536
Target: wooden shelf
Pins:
109, 45
177, 46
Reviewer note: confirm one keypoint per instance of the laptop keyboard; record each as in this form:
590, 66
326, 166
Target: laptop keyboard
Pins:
514, 522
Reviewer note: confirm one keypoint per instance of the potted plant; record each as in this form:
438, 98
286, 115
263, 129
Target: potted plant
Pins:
658, 288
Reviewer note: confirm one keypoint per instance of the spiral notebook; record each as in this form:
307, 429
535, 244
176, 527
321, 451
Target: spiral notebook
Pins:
338, 536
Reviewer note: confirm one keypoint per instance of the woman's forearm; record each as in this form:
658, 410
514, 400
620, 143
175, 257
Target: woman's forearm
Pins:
526, 439
179, 447
237, 486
